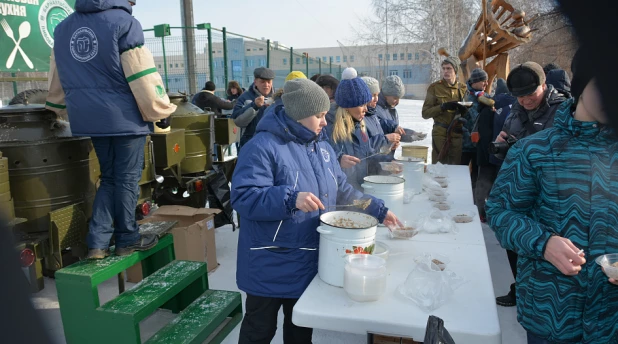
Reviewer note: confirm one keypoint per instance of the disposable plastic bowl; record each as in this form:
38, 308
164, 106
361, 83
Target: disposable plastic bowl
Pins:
446, 205
462, 216
364, 277
392, 167
440, 260
609, 262
381, 250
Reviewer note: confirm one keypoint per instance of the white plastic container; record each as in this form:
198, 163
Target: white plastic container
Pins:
413, 171
365, 277
343, 233
387, 188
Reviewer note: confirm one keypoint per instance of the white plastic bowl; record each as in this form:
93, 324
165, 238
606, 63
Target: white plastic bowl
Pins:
381, 250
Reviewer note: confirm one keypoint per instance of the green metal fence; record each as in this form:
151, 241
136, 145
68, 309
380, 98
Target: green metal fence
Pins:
242, 54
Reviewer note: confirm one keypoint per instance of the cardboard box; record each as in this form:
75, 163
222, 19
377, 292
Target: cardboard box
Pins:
194, 235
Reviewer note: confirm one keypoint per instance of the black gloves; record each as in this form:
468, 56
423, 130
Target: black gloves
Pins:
164, 123
454, 106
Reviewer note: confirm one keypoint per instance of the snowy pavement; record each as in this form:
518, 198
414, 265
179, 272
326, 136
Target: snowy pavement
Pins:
224, 277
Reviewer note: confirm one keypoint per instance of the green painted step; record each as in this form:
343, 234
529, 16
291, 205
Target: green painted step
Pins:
198, 321
155, 290
101, 270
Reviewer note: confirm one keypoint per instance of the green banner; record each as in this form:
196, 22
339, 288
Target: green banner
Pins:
27, 32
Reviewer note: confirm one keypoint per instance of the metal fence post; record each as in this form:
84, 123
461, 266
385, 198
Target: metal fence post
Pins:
225, 56
167, 86
268, 53
319, 65
339, 71
211, 67
330, 66
291, 59
307, 64
15, 91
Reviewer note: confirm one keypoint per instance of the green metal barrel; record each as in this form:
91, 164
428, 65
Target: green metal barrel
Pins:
46, 172
198, 127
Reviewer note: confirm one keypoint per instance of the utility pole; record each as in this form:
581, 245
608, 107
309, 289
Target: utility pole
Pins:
188, 35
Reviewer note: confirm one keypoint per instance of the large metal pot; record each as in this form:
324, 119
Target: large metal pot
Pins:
343, 233
46, 172
388, 188
198, 127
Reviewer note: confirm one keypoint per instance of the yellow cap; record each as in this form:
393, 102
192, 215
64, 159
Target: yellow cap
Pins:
295, 75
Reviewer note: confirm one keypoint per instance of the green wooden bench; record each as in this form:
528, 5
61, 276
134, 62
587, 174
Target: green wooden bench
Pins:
169, 284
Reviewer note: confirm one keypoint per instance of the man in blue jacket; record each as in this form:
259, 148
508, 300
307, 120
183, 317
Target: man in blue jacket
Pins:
107, 82
250, 107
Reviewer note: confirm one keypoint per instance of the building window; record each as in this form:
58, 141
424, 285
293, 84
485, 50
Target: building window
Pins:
304, 60
248, 80
182, 65
298, 60
409, 56
393, 72
285, 61
407, 74
247, 63
416, 56
261, 49
251, 63
254, 49
159, 66
401, 56
395, 57
215, 64
247, 50
345, 58
338, 59
323, 58
310, 61
351, 58
380, 57
171, 65
388, 57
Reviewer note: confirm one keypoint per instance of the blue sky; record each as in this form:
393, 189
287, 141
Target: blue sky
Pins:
296, 23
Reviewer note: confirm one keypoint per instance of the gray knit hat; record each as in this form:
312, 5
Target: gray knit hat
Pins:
303, 98
372, 83
453, 61
478, 75
394, 87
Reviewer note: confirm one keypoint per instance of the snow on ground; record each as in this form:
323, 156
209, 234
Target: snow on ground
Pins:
224, 277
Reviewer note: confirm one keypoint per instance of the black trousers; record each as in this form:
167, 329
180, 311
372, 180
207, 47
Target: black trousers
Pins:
466, 159
260, 322
487, 175
513, 263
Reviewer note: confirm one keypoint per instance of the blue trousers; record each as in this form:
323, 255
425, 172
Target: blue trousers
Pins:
121, 159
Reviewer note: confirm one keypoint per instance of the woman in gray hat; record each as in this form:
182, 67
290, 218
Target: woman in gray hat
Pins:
286, 177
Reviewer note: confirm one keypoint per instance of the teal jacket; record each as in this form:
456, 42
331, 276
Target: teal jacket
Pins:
562, 180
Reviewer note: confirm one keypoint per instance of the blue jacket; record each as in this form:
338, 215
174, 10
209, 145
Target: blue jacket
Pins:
87, 47
504, 103
377, 139
277, 245
389, 118
246, 105
562, 180
359, 147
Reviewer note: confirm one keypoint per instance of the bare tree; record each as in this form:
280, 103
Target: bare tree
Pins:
446, 23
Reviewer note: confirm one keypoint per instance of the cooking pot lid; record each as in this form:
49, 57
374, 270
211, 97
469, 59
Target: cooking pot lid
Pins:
384, 179
348, 220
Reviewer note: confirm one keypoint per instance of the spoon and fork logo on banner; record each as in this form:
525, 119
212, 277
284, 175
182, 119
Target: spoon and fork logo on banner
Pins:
24, 32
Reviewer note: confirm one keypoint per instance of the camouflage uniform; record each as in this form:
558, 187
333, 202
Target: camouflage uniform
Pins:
441, 92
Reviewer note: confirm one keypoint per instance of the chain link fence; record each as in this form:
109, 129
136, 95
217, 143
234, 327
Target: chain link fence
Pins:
224, 57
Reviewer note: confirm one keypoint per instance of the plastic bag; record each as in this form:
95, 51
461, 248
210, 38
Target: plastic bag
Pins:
437, 222
436, 333
437, 170
408, 195
430, 184
428, 286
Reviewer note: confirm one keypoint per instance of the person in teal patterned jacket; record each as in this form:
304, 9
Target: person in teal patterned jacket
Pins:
557, 194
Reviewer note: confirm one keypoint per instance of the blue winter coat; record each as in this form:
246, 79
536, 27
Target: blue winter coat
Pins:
377, 140
562, 180
389, 118
504, 103
359, 147
278, 244
246, 102
87, 47
471, 118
